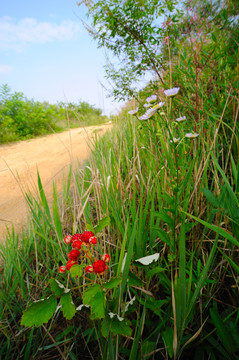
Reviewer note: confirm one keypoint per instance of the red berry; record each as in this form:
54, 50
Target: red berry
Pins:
77, 237
106, 258
89, 269
76, 244
62, 269
70, 263
74, 254
99, 266
67, 239
93, 240
87, 235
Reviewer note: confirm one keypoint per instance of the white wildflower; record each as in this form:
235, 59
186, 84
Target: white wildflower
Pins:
181, 119
171, 92
151, 98
175, 140
157, 106
132, 112
191, 135
146, 105
146, 116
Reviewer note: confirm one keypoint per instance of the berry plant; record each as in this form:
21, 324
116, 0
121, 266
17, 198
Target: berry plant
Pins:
97, 293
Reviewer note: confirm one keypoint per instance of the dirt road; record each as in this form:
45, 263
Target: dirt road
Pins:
51, 155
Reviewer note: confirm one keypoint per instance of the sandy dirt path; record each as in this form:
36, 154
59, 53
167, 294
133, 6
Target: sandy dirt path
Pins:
51, 155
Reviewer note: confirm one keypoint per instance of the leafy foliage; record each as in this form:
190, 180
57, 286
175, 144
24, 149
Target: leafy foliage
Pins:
131, 31
178, 200
95, 298
21, 118
39, 312
67, 306
115, 326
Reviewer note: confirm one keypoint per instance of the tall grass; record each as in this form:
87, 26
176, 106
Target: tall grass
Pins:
152, 191
176, 199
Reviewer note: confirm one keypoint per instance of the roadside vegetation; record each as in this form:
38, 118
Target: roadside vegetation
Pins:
21, 118
161, 193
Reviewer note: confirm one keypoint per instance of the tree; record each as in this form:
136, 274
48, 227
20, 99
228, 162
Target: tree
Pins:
132, 31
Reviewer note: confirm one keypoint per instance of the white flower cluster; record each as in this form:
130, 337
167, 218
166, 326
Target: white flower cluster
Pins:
133, 112
150, 112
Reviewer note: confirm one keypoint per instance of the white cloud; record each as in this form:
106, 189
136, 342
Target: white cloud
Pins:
16, 34
4, 69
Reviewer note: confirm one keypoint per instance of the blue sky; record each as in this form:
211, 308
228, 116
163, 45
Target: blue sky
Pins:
47, 54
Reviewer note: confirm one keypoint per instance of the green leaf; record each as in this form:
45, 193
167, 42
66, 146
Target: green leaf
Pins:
43, 196
231, 262
56, 287
56, 215
134, 280
39, 312
89, 227
112, 283
210, 197
163, 235
154, 271
95, 298
215, 228
102, 224
222, 331
214, 37
115, 326
76, 270
67, 306
168, 340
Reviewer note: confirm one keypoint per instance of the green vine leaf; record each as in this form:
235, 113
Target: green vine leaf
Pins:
67, 306
102, 224
90, 227
116, 326
57, 288
112, 283
39, 312
95, 298
76, 270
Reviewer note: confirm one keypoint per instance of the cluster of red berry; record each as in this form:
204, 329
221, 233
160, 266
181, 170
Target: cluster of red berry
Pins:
87, 239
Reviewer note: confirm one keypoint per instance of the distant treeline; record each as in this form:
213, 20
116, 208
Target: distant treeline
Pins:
21, 118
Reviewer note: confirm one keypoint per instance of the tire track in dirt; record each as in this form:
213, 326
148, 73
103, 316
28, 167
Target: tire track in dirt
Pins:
52, 155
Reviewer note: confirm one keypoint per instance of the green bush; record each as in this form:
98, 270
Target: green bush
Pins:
21, 118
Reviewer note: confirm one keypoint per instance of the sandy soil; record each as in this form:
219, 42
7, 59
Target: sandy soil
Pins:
51, 155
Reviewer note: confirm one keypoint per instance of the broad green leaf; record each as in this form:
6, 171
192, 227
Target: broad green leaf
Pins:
134, 280
76, 270
89, 227
115, 326
163, 235
154, 271
57, 288
168, 340
95, 298
67, 306
39, 312
112, 283
102, 224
